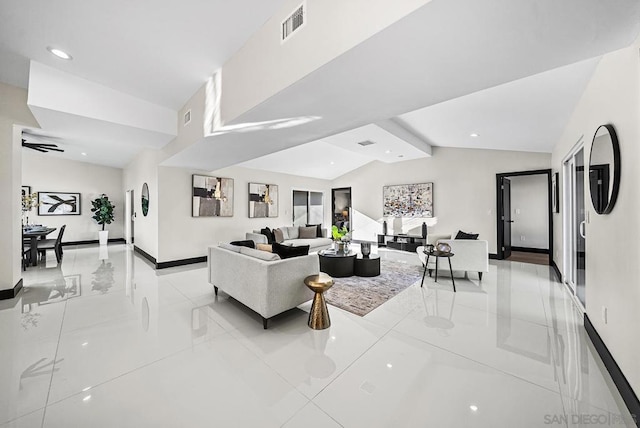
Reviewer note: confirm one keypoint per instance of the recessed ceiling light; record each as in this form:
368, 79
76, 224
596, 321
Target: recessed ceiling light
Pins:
387, 151
474, 135
83, 154
59, 53
87, 398
473, 408
389, 365
333, 163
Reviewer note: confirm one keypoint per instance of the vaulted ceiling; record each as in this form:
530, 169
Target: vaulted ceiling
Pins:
510, 72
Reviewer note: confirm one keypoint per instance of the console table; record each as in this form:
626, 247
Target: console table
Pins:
402, 241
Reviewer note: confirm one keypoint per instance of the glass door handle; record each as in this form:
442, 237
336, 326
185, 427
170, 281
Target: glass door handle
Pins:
582, 229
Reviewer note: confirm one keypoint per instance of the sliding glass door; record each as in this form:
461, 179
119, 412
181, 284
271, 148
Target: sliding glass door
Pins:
308, 207
575, 224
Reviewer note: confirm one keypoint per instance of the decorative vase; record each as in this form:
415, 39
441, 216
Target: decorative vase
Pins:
384, 227
424, 230
103, 237
365, 248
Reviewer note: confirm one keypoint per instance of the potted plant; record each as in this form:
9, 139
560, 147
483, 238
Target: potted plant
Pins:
103, 213
342, 237
29, 201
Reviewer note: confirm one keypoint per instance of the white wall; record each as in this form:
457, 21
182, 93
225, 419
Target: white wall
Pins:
530, 211
144, 169
264, 66
13, 111
612, 96
182, 236
48, 173
464, 189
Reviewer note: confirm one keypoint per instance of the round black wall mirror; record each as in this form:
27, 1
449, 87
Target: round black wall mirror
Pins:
604, 169
145, 199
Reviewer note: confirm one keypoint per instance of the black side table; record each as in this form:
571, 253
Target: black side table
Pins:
437, 255
366, 266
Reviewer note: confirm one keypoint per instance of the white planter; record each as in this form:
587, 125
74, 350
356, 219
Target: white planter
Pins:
103, 236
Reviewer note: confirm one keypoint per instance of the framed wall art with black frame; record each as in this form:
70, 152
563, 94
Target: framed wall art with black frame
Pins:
58, 203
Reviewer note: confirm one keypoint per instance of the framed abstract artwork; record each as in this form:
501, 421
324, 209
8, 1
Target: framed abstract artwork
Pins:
408, 200
263, 200
58, 203
212, 196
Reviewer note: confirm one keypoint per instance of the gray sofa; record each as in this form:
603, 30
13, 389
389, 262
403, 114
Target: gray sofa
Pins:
261, 280
291, 237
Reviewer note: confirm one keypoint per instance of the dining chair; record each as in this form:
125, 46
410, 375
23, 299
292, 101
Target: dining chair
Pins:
26, 252
52, 244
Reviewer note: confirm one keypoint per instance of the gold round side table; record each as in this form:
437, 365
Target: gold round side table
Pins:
319, 315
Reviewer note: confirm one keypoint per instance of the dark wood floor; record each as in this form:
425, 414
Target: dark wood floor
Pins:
535, 258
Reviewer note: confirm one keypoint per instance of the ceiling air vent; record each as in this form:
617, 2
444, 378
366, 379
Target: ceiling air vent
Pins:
366, 143
294, 22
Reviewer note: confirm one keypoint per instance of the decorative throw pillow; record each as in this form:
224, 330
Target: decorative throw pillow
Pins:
278, 236
248, 243
285, 233
262, 255
319, 231
307, 232
464, 235
286, 252
292, 232
264, 247
229, 247
269, 234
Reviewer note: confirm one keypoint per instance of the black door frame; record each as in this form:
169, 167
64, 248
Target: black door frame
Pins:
500, 231
333, 205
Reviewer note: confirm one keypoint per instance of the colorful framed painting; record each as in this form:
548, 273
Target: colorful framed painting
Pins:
408, 200
211, 196
263, 200
58, 203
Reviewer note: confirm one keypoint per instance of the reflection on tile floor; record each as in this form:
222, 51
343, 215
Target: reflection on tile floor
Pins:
104, 340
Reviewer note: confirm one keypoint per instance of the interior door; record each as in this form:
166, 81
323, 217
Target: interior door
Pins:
506, 217
579, 227
128, 215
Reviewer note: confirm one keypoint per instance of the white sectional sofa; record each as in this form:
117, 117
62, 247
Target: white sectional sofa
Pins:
470, 255
291, 237
261, 280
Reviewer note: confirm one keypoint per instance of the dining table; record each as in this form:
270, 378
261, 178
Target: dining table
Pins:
34, 234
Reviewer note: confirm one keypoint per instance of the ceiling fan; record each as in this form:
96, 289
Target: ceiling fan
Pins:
38, 142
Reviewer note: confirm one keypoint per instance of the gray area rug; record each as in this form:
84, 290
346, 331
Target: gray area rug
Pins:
362, 295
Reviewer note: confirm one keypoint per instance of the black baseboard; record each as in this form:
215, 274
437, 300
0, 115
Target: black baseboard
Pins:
174, 263
556, 270
628, 395
92, 241
145, 255
10, 293
493, 256
531, 250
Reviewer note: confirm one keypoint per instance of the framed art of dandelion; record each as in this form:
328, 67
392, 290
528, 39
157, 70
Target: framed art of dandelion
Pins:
58, 203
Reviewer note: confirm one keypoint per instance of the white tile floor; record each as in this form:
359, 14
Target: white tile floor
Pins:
112, 343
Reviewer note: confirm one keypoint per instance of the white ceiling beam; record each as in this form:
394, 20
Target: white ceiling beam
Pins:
403, 131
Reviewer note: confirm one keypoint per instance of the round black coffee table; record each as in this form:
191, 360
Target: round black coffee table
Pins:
337, 264
367, 266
